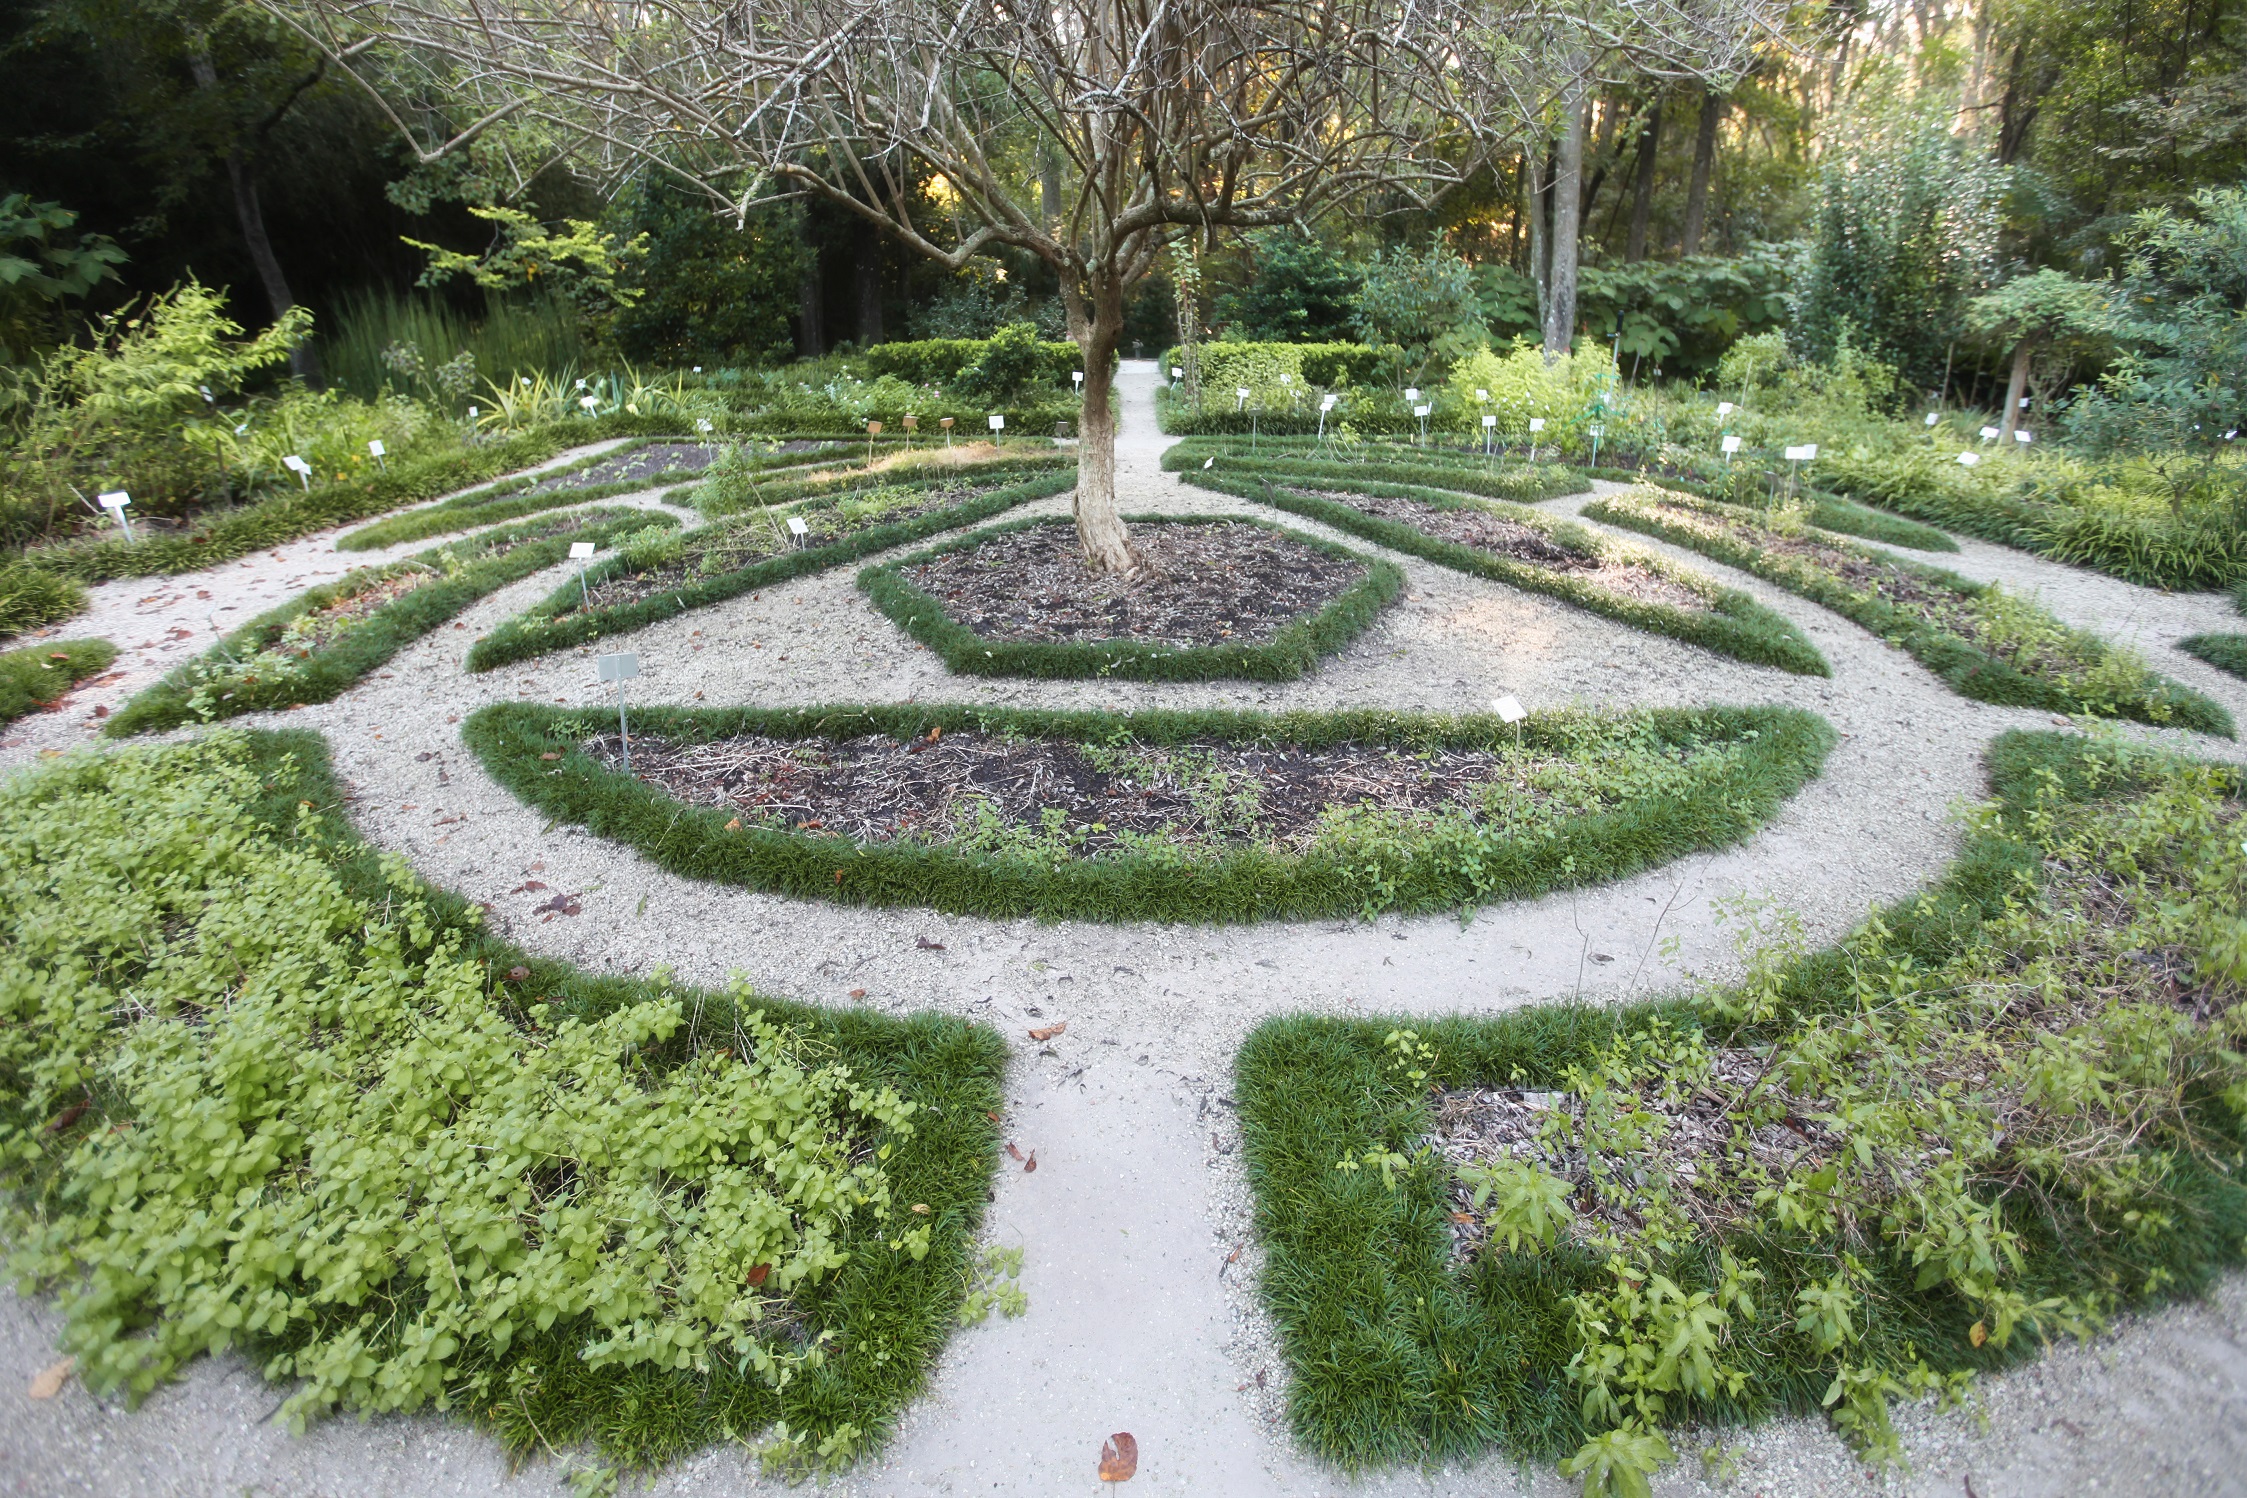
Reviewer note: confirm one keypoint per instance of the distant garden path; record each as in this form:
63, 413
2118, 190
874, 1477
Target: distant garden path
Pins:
1140, 1317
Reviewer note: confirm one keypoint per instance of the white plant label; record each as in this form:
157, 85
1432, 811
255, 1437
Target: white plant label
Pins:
1411, 394
1488, 422
702, 425
1509, 709
377, 448
1802, 454
1286, 378
1242, 392
1968, 460
587, 401
619, 667
1537, 423
1724, 408
2023, 437
580, 550
1481, 394
1989, 434
1326, 402
1077, 376
1419, 410
1209, 462
116, 500
998, 423
1731, 444
796, 526
471, 413
1177, 373
296, 464
1933, 417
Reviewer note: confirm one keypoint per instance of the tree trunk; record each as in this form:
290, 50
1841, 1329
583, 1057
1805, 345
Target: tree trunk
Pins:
1049, 186
1642, 190
1704, 162
2013, 388
1538, 208
1568, 213
869, 277
303, 362
1100, 529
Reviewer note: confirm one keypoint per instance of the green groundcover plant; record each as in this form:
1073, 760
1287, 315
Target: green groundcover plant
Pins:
36, 676
1983, 642
30, 598
2226, 652
1293, 652
1467, 473
506, 500
852, 515
314, 647
1856, 1176
1583, 798
1730, 623
263, 1090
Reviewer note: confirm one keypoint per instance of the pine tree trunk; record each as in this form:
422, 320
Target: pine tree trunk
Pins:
2013, 389
1100, 529
1642, 190
1568, 216
1704, 164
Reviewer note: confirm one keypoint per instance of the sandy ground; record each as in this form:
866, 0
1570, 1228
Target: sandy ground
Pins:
1136, 1320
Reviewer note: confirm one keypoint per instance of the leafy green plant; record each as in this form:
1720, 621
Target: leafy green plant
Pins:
30, 598
35, 676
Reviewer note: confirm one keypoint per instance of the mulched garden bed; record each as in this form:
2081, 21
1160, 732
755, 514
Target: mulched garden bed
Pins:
1470, 525
657, 459
1204, 584
875, 789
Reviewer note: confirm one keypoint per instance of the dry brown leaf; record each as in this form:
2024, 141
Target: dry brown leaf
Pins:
758, 1273
1012, 1152
991, 1116
51, 1379
1031, 1163
1979, 1334
921, 1207
734, 825
1049, 1031
858, 993
1119, 1457
550, 756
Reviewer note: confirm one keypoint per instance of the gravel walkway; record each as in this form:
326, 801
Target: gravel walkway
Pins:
1136, 1322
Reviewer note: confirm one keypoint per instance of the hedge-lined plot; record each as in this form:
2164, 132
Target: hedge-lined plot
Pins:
38, 675
623, 470
1519, 483
1859, 1175
316, 645
1292, 651
2224, 652
1545, 555
561, 620
294, 1103
1571, 798
1984, 643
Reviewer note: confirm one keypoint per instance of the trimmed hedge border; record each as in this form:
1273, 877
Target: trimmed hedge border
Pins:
1785, 747
1517, 483
1396, 1358
546, 626
1736, 625
1964, 667
1292, 653
503, 501
328, 673
2224, 652
789, 490
37, 676
1828, 511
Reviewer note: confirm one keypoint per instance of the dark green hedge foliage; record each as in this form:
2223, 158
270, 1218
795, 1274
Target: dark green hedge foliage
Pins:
36, 676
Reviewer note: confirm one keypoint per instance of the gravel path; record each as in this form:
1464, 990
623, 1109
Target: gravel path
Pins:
1136, 1322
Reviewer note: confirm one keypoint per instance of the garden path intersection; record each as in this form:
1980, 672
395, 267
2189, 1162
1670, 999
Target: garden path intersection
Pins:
1142, 1317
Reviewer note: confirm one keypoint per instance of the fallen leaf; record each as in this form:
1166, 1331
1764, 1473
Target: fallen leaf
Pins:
858, 993
1235, 1255
550, 756
1031, 1163
935, 733
1119, 1457
926, 945
67, 1117
518, 974
734, 825
992, 1115
1049, 1031
758, 1274
527, 886
921, 1207
1979, 1334
101, 711
1012, 1152
1462, 1217
58, 655
51, 1379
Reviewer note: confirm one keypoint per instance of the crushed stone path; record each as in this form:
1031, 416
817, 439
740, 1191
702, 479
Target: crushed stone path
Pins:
1141, 1318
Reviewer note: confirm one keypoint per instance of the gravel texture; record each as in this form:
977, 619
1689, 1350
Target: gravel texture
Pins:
1139, 1263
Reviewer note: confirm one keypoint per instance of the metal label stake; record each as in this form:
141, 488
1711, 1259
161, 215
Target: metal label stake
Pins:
621, 669
114, 502
581, 552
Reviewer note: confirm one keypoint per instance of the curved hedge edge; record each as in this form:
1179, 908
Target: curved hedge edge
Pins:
2227, 653
328, 673
545, 627
1736, 625
1782, 749
790, 490
955, 1068
1505, 484
503, 501
1828, 511
39, 676
1293, 652
1963, 666
1354, 1274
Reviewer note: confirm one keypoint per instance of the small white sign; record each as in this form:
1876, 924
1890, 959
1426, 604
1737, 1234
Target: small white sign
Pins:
296, 465
1802, 454
1481, 394
2024, 403
1411, 394
796, 526
1326, 402
1724, 408
2022, 437
1731, 444
1488, 422
377, 448
998, 423
1933, 417
587, 401
1509, 709
619, 667
1968, 460
1209, 462
1242, 392
1537, 423
1077, 377
471, 413
1177, 373
1419, 410
1286, 378
580, 550
702, 425
1989, 434
116, 500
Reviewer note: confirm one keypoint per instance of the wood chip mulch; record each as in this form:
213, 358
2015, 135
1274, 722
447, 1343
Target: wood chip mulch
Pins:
1484, 531
1208, 584
876, 789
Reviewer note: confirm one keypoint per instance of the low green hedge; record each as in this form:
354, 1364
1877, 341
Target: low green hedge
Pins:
30, 598
1326, 366
328, 673
1779, 749
36, 676
1735, 624
554, 625
1396, 1357
939, 361
1293, 652
1828, 512
1965, 667
1516, 483
2224, 652
246, 1235
786, 490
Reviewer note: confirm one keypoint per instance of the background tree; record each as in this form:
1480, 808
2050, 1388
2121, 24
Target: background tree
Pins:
1420, 309
2042, 313
1301, 291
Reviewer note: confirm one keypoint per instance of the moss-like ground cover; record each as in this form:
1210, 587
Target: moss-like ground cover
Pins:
312, 648
1293, 652
1984, 643
561, 621
1614, 794
261, 1089
1730, 623
2224, 652
37, 675
1983, 1120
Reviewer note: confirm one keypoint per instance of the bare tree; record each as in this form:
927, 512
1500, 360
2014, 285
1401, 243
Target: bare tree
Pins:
1090, 133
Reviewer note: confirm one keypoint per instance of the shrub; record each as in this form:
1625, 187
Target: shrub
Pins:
37, 675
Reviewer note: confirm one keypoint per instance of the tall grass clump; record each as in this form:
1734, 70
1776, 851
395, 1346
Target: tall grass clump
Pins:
510, 338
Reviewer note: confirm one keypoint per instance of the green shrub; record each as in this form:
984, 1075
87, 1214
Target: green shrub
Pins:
30, 598
37, 675
941, 361
2224, 652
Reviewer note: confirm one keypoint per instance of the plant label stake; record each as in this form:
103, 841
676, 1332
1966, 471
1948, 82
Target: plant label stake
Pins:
115, 502
1724, 408
946, 423
1076, 378
1421, 412
1598, 431
587, 403
1989, 434
1489, 435
1326, 404
1510, 710
581, 552
2023, 438
621, 669
380, 452
301, 469
998, 423
873, 430
1731, 445
702, 425
1176, 374
912, 425
471, 424
798, 530
1796, 457
1933, 417
1536, 425
1969, 459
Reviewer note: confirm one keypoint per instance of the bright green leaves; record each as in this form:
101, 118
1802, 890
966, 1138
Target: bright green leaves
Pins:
1619, 1463
1528, 1206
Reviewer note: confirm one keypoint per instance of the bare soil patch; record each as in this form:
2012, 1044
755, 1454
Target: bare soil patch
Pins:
1224, 582
875, 789
678, 459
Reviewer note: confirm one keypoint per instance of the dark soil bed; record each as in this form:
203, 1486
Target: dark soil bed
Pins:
876, 790
654, 461
1205, 584
1470, 525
